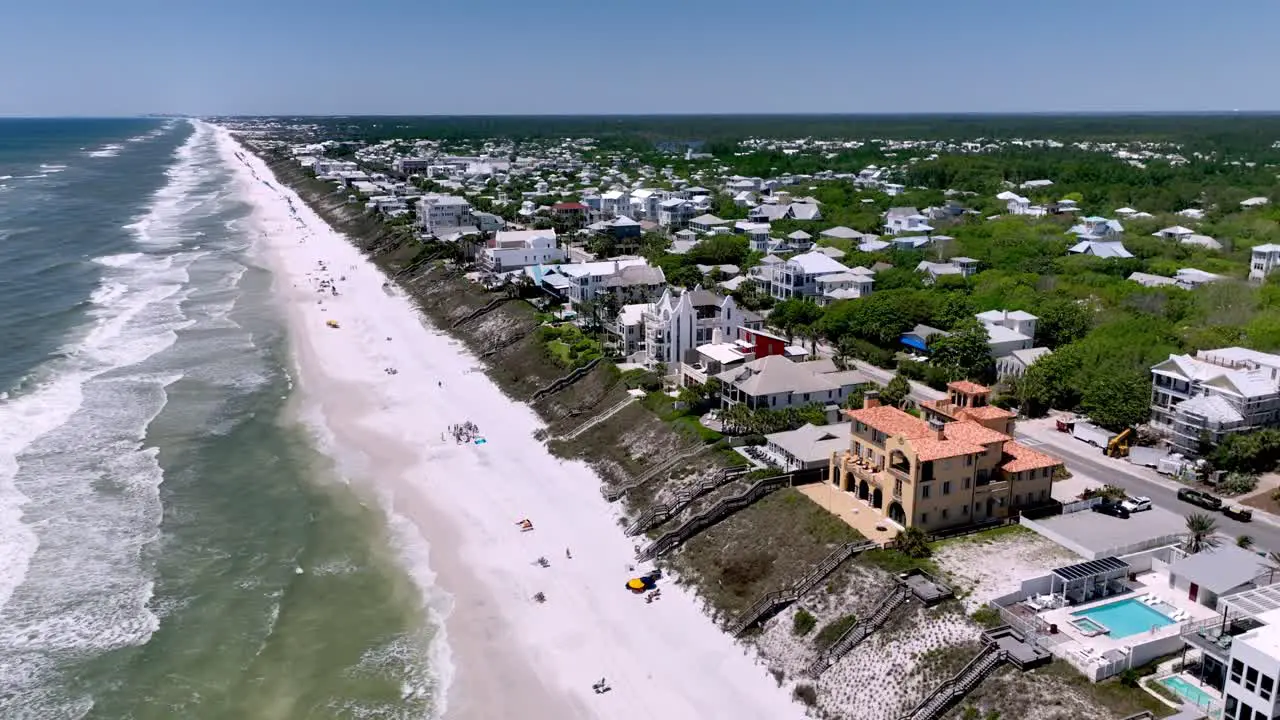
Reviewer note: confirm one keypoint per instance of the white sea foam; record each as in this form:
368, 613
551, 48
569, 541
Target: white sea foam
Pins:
108, 150
78, 490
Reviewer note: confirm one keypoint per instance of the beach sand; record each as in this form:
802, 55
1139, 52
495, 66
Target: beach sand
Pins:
508, 656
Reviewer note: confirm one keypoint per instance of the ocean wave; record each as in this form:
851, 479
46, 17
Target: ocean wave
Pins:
79, 498
108, 150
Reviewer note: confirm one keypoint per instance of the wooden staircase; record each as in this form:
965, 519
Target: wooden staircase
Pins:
655, 515
774, 602
861, 630
713, 515
962, 683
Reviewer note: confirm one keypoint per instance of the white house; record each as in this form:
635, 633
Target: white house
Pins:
589, 280
1264, 259
512, 249
644, 203
798, 276
1015, 364
437, 213
706, 223
960, 266
1099, 248
1213, 394
900, 220
615, 203
628, 329
1008, 331
679, 322
857, 283
1254, 202
675, 213
1097, 228
1019, 205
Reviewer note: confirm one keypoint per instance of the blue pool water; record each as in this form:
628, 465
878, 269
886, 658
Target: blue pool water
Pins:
1189, 692
1126, 617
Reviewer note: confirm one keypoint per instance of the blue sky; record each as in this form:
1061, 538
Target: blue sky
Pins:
122, 57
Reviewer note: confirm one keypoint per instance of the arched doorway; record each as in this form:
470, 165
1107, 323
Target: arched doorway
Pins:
897, 514
898, 461
864, 490
877, 499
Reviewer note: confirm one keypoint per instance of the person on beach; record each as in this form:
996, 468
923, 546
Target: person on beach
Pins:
567, 555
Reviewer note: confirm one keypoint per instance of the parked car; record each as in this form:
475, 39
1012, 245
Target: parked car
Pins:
1238, 513
1137, 504
1203, 499
1114, 509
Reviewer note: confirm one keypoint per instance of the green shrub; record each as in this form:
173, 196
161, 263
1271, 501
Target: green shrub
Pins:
987, 616
803, 622
832, 631
806, 694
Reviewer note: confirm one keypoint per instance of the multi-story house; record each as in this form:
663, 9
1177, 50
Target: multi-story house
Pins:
857, 283
1202, 399
615, 202
679, 322
797, 277
1008, 331
438, 213
1263, 259
937, 474
777, 383
514, 249
903, 220
645, 202
589, 281
675, 213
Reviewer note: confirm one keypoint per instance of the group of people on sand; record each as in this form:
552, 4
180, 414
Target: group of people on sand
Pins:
464, 433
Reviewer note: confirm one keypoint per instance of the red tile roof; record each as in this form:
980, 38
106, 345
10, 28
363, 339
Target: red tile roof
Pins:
931, 448
967, 387
1024, 458
987, 412
891, 421
568, 206
972, 432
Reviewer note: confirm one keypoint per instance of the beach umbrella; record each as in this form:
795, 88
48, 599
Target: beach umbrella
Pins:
636, 585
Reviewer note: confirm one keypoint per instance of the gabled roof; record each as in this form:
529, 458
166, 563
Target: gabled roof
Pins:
842, 232
799, 235
1101, 248
890, 421
708, 219
815, 263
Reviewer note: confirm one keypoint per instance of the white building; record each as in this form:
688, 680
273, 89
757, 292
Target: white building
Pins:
1008, 331
410, 166
675, 212
1264, 259
777, 383
1015, 364
333, 168
1019, 205
437, 213
1213, 394
679, 322
589, 280
857, 283
513, 249
615, 202
798, 276
902, 220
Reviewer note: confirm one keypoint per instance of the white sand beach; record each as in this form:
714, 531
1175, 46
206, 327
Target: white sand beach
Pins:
510, 656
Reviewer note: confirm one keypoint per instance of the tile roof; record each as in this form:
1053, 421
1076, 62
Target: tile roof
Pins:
1024, 458
891, 421
972, 432
987, 412
967, 386
931, 448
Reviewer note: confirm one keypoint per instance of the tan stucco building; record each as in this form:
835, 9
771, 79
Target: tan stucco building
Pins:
960, 466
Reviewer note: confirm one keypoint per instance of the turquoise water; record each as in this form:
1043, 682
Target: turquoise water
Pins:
1190, 692
1125, 617
173, 543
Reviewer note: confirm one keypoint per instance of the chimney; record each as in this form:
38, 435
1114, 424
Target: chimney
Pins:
938, 428
870, 399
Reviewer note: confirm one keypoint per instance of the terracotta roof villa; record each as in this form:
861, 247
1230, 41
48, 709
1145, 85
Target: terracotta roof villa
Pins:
958, 467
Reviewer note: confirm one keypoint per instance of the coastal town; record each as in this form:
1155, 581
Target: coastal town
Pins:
935, 428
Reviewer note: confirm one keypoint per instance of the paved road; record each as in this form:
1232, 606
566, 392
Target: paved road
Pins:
1089, 461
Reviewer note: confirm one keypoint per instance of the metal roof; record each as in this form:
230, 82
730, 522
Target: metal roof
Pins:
1091, 569
1252, 602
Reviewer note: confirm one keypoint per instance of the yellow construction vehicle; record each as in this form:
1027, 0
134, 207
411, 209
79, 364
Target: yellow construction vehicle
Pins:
1119, 445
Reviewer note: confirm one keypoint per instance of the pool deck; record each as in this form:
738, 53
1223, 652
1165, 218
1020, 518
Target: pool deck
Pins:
1154, 583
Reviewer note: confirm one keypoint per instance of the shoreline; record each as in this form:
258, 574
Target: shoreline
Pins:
511, 655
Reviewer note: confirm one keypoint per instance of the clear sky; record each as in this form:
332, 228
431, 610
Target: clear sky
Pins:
122, 57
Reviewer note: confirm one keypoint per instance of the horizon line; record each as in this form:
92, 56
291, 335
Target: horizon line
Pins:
871, 114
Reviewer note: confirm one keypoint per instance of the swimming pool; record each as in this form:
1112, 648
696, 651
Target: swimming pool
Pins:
1188, 692
1125, 617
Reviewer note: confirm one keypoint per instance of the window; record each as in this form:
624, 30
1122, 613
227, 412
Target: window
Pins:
1251, 679
924, 491
966, 483
924, 518
946, 490
1265, 686
1237, 669
944, 513
968, 460
966, 509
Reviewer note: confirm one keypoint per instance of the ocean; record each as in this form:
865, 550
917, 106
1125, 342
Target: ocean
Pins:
174, 541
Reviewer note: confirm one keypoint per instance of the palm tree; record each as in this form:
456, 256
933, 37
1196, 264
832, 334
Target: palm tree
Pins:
1200, 533
1244, 541
1273, 564
843, 356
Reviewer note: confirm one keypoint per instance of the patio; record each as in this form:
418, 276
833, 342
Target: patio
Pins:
859, 515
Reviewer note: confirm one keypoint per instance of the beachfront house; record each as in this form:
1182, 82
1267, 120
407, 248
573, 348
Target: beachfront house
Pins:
439, 214
680, 321
1008, 331
589, 281
1212, 394
940, 473
513, 249
778, 382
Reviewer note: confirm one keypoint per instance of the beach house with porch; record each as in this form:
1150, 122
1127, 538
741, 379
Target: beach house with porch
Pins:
937, 474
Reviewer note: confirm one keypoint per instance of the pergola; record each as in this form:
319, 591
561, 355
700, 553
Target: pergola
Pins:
1084, 581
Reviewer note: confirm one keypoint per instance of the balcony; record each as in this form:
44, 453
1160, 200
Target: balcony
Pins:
1214, 636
